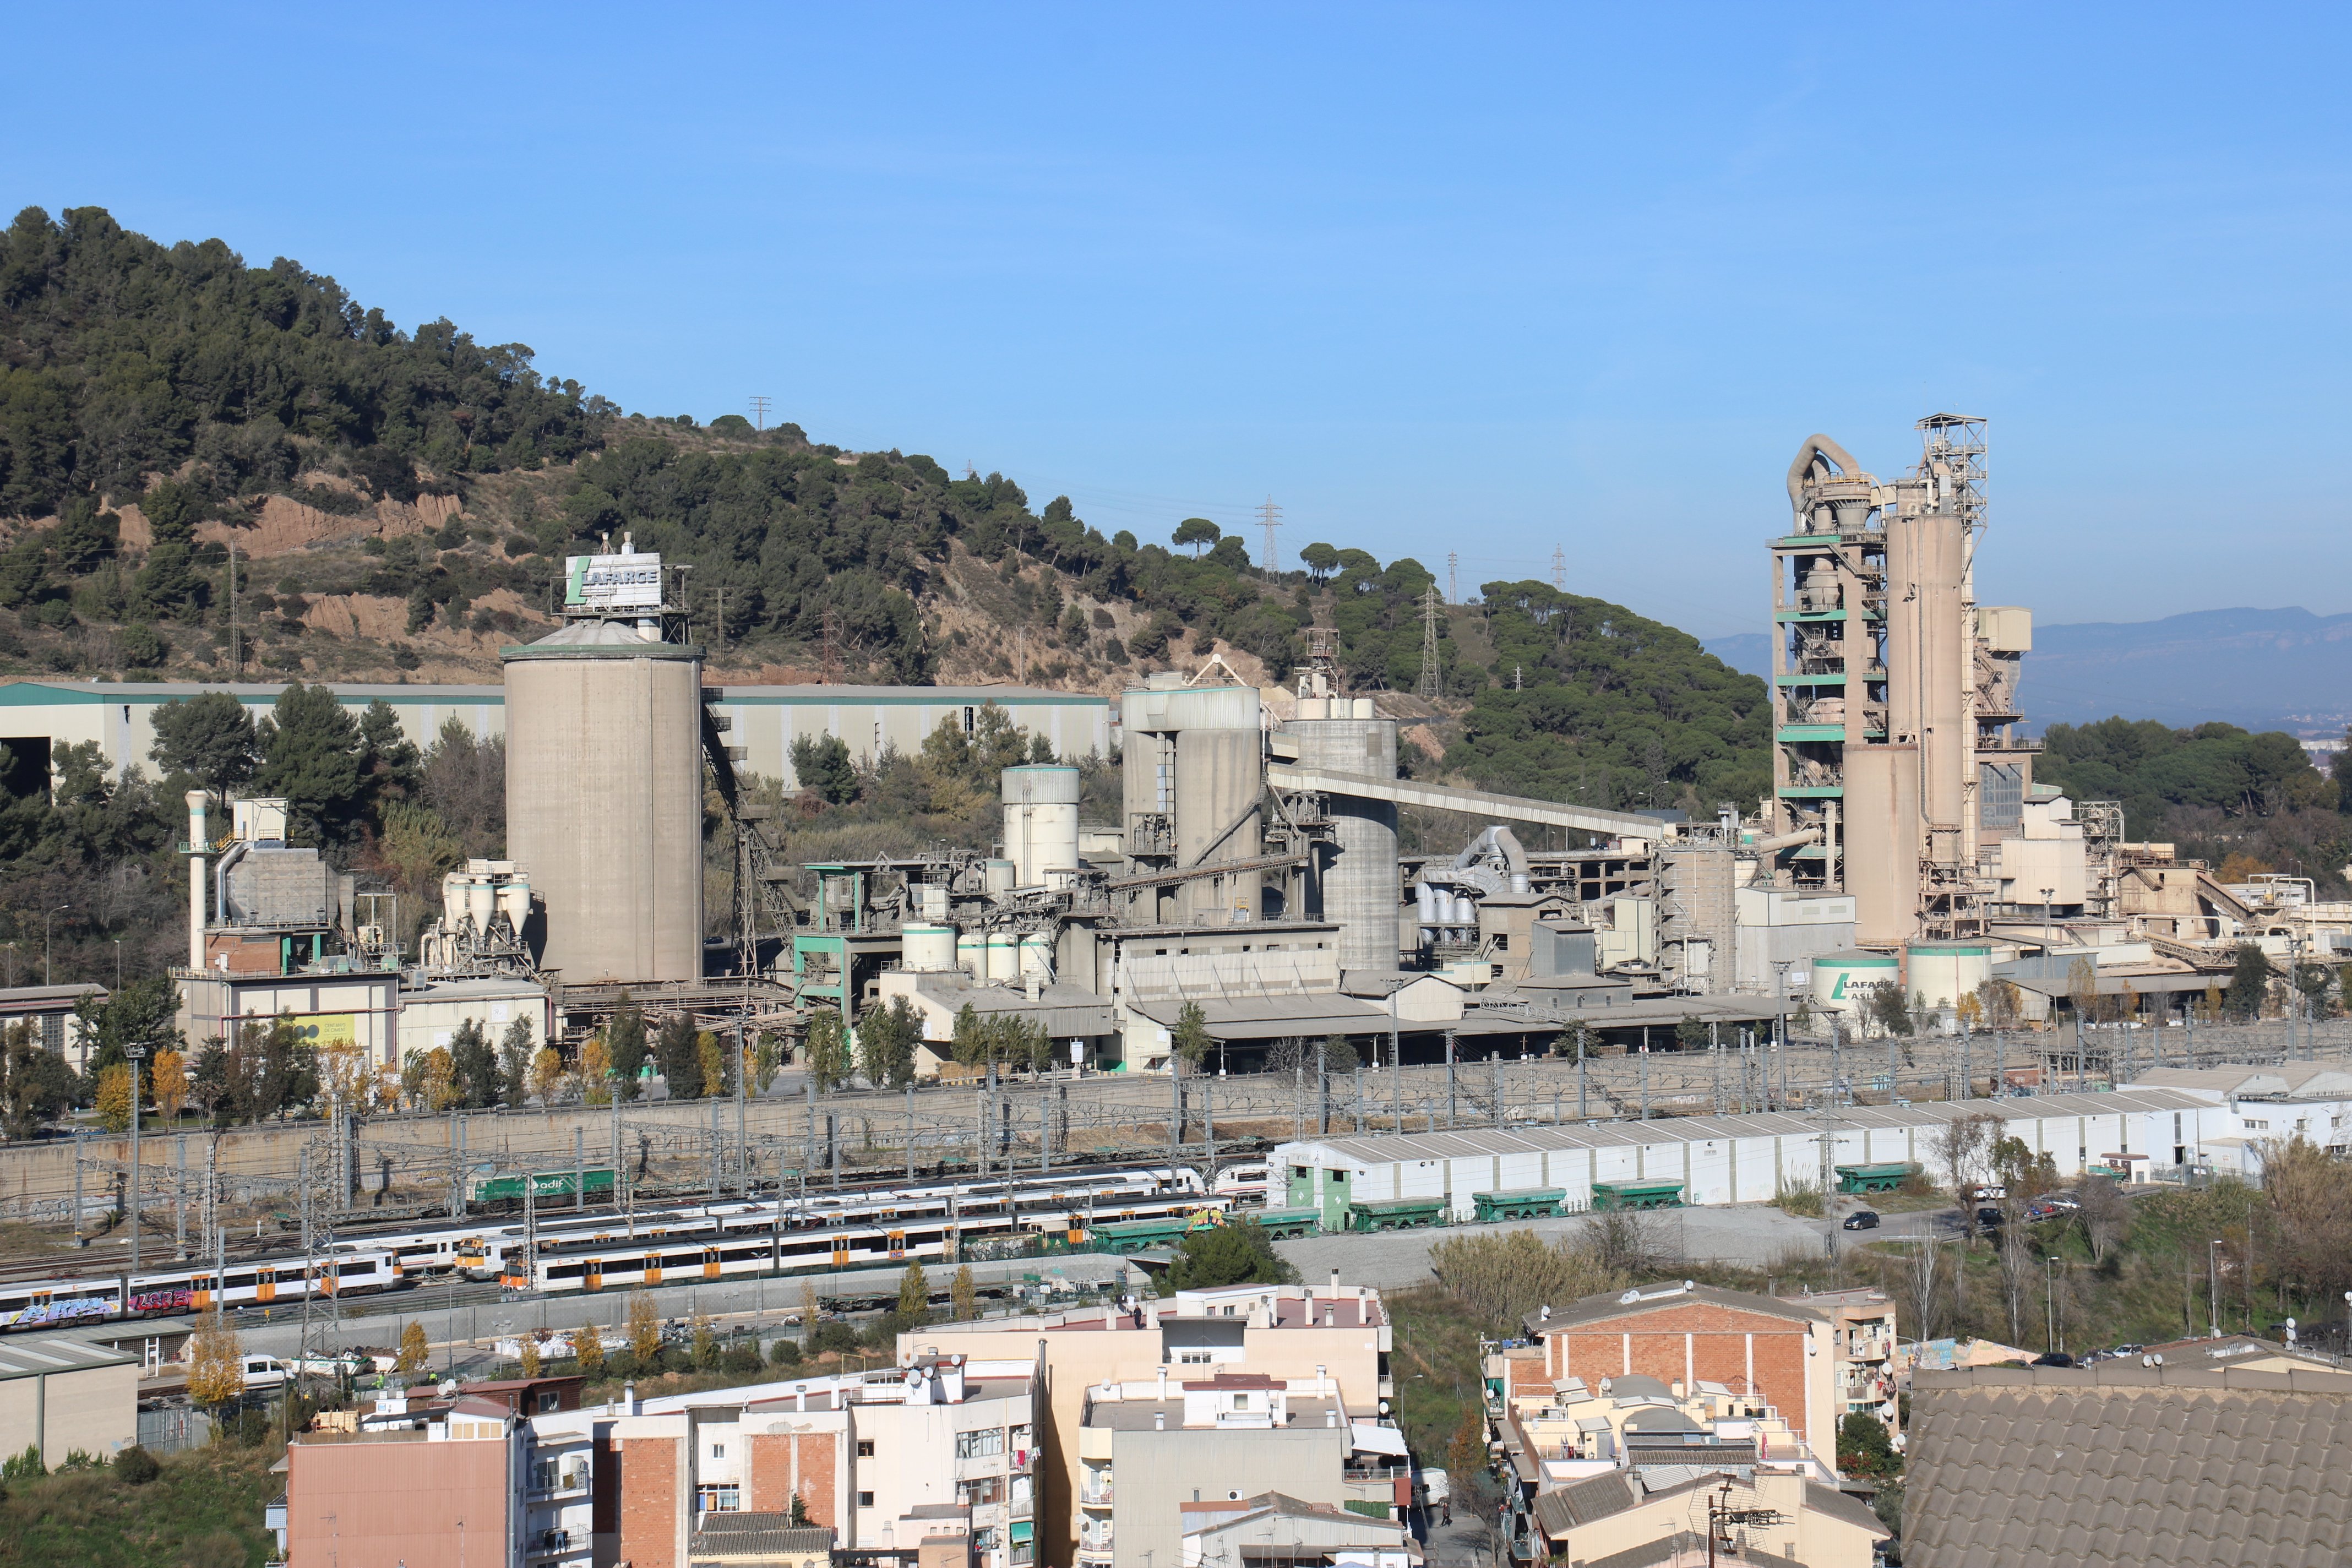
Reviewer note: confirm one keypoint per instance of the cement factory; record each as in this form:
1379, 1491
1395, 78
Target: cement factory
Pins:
1254, 871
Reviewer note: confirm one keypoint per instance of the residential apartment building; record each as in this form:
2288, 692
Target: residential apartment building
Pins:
1662, 1518
1291, 1333
1272, 1527
1149, 1450
1862, 1348
448, 1489
935, 1458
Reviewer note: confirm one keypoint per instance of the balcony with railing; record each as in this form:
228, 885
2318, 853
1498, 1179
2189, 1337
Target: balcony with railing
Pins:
554, 1542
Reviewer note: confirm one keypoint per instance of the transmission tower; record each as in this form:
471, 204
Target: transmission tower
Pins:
1269, 517
1559, 569
760, 406
1453, 578
1428, 685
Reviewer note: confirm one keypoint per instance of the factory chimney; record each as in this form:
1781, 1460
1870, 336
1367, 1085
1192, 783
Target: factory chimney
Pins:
198, 843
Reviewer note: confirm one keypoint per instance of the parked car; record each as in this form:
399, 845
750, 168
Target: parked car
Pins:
266, 1372
1861, 1219
1989, 1217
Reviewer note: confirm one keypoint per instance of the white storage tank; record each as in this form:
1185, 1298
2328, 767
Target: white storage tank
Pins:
971, 954
1004, 958
1842, 980
1943, 971
927, 949
1041, 821
1037, 956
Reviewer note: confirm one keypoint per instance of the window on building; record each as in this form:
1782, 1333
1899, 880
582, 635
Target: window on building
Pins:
865, 1499
980, 1444
1193, 1358
548, 1401
1240, 1402
866, 1448
718, 1450
980, 1490
719, 1498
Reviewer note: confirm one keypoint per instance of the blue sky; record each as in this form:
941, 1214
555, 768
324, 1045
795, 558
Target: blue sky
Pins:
1492, 279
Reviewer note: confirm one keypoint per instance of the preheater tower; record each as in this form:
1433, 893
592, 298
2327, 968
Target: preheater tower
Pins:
605, 798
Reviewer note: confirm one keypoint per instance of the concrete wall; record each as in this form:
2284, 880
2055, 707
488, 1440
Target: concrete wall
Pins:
93, 1409
766, 719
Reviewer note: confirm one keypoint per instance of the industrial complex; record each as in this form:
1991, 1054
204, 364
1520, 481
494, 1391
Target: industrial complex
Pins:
1251, 878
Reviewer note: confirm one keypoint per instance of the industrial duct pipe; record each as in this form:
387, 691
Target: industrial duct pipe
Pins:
196, 847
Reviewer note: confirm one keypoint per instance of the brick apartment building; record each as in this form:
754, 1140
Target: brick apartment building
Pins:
1682, 1335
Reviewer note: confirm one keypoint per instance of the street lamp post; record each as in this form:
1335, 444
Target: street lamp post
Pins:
137, 1054
2213, 1287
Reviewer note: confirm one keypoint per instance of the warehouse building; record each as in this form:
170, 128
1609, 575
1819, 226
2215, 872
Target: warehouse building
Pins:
1440, 1177
64, 1396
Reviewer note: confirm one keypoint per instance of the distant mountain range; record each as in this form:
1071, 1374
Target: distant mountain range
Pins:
2265, 669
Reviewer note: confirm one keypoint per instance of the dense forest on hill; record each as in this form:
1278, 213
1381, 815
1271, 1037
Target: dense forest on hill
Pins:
1588, 702
2246, 803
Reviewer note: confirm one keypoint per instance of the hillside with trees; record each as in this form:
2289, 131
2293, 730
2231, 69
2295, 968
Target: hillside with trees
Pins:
2246, 803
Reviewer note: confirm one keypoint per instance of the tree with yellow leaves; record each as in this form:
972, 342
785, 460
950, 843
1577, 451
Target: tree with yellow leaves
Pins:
531, 1357
964, 1294
114, 1097
345, 1074
644, 1328
414, 1351
215, 1362
547, 1076
588, 1349
705, 1342
713, 1062
170, 1091
595, 1066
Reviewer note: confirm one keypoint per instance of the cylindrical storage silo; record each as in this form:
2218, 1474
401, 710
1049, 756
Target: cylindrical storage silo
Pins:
604, 799
971, 954
1359, 875
927, 949
481, 897
1220, 784
1842, 980
1004, 958
1037, 955
1943, 971
1041, 821
514, 898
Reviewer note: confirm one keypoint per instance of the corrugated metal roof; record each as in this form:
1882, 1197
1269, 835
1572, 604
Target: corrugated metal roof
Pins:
32, 1357
1537, 1138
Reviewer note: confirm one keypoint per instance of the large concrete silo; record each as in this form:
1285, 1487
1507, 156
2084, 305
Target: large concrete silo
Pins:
1359, 880
604, 799
1193, 761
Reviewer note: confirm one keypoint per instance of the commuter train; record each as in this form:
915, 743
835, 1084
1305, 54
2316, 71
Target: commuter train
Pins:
52, 1303
829, 1231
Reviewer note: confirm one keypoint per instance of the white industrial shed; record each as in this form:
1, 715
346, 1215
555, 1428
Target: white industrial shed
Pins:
1734, 1159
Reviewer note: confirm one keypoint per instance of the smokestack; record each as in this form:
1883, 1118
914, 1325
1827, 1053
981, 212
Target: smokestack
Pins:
1322, 1382
196, 844
1159, 1421
1164, 1380
1335, 1284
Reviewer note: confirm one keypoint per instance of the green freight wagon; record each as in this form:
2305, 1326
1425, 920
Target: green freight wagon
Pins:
1637, 1194
1879, 1178
544, 1185
1527, 1203
1283, 1224
1396, 1213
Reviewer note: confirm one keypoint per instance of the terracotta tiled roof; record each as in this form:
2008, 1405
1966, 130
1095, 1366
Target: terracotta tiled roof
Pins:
2124, 1466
